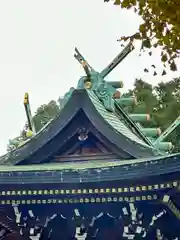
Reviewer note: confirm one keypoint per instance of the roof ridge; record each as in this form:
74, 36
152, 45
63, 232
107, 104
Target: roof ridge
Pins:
133, 123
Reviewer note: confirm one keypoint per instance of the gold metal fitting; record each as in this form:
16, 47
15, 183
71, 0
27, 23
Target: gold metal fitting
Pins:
88, 84
26, 98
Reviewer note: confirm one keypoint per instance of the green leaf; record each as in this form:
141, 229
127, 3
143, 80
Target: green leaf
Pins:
166, 39
117, 2
142, 28
125, 4
137, 36
164, 58
146, 43
173, 66
155, 73
163, 73
146, 70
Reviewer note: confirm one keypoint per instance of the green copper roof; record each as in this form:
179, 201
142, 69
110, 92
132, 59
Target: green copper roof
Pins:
103, 110
114, 120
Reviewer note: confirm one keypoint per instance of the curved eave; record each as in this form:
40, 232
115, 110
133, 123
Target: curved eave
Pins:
80, 100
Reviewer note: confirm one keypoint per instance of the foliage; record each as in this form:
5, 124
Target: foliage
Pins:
146, 99
168, 98
44, 114
160, 27
162, 102
168, 95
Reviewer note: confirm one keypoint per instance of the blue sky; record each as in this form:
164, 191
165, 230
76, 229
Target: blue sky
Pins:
36, 52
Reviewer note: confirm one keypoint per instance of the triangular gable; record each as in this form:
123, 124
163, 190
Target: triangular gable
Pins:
52, 137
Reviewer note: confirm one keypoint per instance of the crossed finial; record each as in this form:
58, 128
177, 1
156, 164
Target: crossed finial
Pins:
88, 69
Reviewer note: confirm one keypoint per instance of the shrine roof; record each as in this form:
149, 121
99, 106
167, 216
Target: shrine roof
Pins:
97, 104
109, 123
117, 122
151, 169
